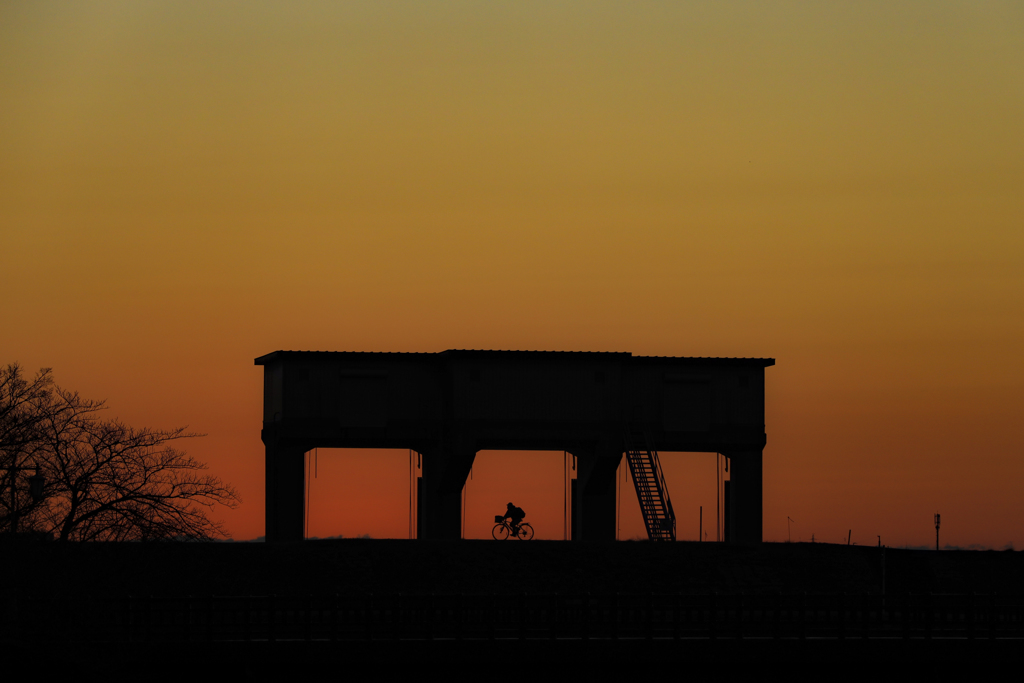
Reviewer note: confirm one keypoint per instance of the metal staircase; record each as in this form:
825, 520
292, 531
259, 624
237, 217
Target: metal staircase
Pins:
651, 491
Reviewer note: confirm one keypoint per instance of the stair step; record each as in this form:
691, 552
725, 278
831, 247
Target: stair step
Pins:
649, 481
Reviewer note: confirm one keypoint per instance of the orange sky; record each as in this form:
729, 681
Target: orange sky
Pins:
840, 187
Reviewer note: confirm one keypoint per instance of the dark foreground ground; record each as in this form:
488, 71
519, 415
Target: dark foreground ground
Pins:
250, 606
358, 567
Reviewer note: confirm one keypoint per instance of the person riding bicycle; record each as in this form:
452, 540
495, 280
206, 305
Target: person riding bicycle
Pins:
516, 515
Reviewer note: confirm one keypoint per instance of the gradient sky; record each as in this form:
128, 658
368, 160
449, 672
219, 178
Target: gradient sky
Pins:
838, 186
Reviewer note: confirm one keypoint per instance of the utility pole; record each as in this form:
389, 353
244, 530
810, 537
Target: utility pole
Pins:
937, 518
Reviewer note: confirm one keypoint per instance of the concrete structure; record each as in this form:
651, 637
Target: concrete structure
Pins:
450, 405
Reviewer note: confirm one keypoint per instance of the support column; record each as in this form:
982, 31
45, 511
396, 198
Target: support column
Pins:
440, 508
594, 494
285, 489
746, 497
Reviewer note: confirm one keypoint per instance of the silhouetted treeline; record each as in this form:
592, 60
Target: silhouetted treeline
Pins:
69, 472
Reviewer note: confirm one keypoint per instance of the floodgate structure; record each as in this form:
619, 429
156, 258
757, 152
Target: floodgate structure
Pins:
447, 406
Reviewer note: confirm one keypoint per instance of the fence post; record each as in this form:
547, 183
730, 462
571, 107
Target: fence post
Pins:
492, 621
522, 616
309, 617
397, 617
271, 618
247, 619
650, 615
148, 632
459, 613
842, 616
929, 607
713, 616
992, 616
187, 621
675, 616
803, 615
334, 618
739, 616
778, 616
970, 616
865, 613
209, 618
906, 616
368, 616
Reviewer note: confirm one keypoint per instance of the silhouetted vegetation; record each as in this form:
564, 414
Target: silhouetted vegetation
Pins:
95, 478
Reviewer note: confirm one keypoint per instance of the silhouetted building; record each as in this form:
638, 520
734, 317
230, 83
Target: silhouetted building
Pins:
450, 405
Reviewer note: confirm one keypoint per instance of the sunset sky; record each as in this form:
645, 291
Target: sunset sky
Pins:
839, 186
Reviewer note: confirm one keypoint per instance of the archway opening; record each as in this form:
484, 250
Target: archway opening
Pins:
535, 481
358, 493
693, 485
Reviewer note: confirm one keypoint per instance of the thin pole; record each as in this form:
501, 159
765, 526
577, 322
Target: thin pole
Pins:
416, 469
718, 497
465, 493
411, 494
572, 503
308, 468
618, 503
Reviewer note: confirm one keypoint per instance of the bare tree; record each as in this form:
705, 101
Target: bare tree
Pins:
108, 481
21, 402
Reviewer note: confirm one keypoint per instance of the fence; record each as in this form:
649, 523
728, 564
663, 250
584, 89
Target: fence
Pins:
496, 617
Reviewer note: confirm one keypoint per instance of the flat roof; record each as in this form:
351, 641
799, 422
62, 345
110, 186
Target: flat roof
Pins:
547, 355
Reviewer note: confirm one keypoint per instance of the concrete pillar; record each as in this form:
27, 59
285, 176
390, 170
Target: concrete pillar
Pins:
440, 506
285, 489
745, 497
594, 500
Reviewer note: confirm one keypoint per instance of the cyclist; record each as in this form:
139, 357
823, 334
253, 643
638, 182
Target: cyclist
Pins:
516, 515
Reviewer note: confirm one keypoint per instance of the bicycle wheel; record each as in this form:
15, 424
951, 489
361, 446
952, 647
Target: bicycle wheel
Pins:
525, 532
500, 532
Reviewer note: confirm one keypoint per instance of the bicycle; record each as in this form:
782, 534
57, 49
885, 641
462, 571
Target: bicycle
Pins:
502, 530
